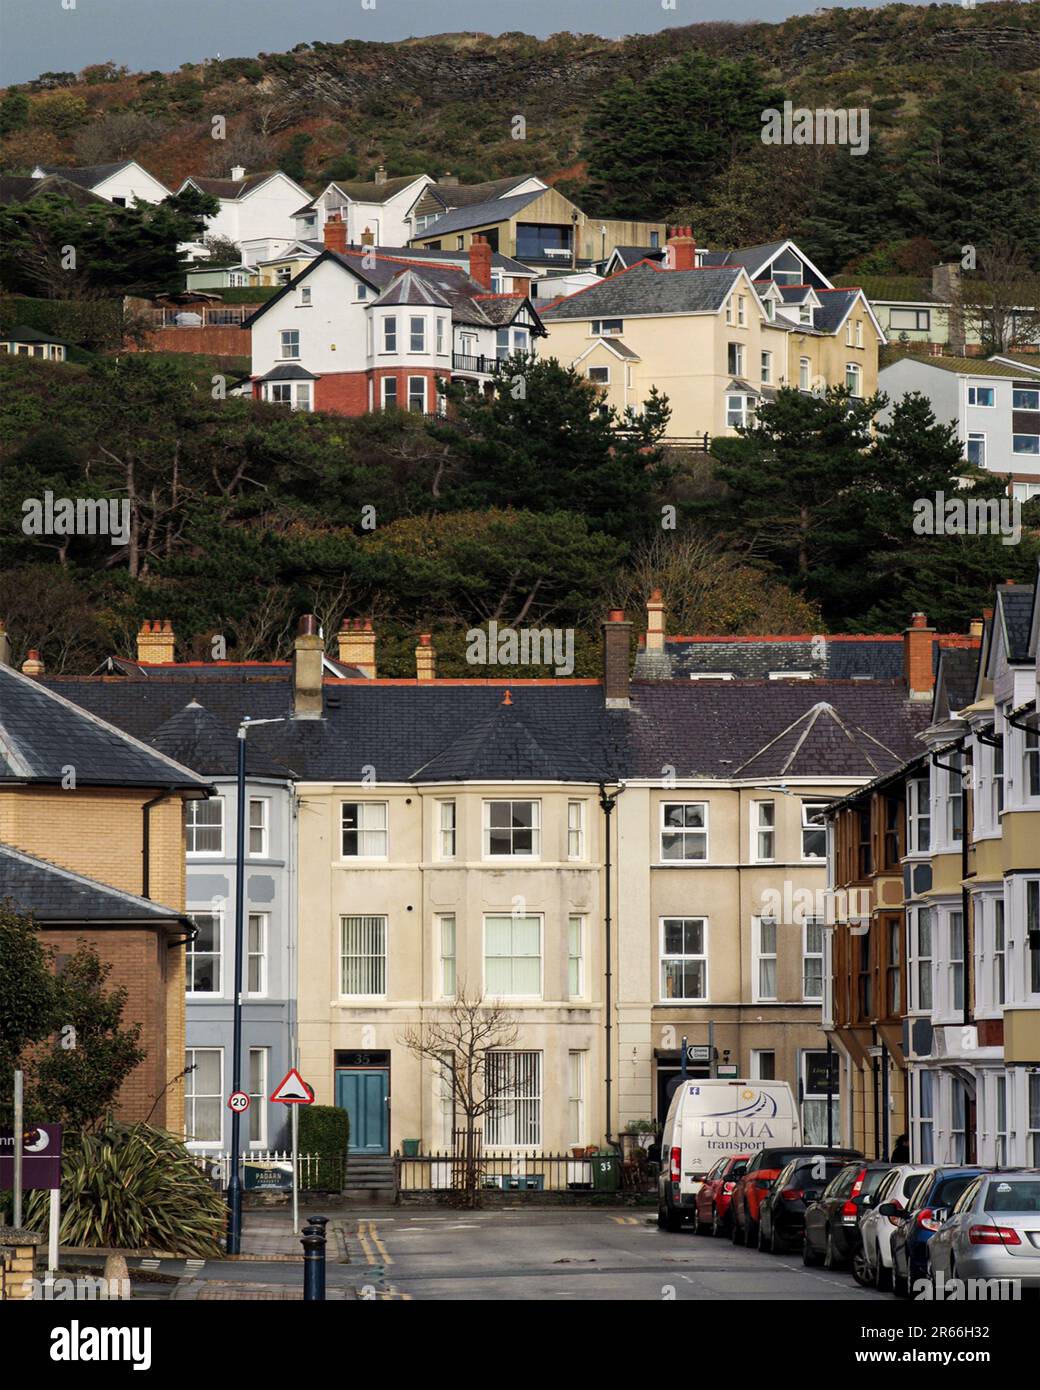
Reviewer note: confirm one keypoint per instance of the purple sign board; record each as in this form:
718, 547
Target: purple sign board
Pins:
41, 1158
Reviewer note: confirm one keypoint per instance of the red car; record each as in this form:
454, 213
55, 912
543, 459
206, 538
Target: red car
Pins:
713, 1197
756, 1180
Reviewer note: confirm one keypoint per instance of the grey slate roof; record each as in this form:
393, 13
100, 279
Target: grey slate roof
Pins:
53, 894
86, 175
198, 738
21, 334
834, 305
461, 195
955, 680
368, 191
288, 371
647, 290
18, 188
828, 658
480, 214
752, 258
410, 288
42, 735
231, 190
1015, 609
632, 255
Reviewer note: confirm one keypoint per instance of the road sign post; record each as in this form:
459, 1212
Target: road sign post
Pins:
19, 1122
293, 1090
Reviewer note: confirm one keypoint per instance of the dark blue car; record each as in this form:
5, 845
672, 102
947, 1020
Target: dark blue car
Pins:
917, 1223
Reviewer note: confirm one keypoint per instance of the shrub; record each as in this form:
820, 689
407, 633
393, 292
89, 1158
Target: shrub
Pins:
325, 1130
133, 1186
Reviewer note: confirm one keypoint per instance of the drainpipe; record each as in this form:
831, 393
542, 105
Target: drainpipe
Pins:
607, 804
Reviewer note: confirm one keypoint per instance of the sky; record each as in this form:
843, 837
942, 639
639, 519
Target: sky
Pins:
66, 35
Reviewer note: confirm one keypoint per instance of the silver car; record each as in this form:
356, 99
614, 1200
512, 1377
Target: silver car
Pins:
872, 1260
993, 1232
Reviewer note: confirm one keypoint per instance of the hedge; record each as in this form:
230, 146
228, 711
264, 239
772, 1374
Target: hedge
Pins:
89, 322
325, 1130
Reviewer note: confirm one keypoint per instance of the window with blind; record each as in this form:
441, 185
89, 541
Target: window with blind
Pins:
203, 1095
258, 1096
765, 958
258, 827
576, 1097
204, 826
812, 959
513, 957
513, 1083
575, 957
446, 933
256, 955
363, 956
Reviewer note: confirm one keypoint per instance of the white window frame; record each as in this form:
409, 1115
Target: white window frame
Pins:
741, 311
264, 827
755, 1064
854, 379
920, 963
979, 438
362, 830
702, 830
665, 957
447, 829
527, 917
258, 1108
417, 335
973, 397
190, 953
807, 809
922, 1124
576, 830
576, 935
813, 924
766, 368
305, 296
804, 374
384, 382
535, 851
447, 955
527, 1076
859, 333
735, 354
412, 393
577, 1066
369, 921
192, 825
441, 338
763, 832
918, 816
759, 957
603, 379
1030, 452
289, 338
198, 1145
262, 956
389, 334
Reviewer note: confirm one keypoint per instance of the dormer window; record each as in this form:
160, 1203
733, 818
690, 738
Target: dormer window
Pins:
770, 308
805, 314
607, 328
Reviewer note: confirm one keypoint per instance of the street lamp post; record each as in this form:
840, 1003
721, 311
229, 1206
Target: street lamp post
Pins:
234, 1194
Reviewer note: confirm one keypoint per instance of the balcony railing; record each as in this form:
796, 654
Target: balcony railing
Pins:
484, 366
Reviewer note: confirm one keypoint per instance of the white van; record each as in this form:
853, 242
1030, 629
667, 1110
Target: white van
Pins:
711, 1119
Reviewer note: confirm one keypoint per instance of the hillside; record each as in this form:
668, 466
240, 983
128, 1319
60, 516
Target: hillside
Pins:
447, 103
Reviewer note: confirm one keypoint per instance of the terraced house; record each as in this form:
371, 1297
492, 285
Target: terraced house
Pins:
716, 332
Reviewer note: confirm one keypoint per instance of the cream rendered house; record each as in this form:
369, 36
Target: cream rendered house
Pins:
716, 339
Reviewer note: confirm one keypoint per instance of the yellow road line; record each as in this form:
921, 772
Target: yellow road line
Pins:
388, 1259
626, 1220
362, 1237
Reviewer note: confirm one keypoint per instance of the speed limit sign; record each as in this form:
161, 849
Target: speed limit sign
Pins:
238, 1101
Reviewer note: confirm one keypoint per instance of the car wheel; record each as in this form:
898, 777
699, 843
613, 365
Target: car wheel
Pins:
699, 1226
736, 1231
900, 1283
861, 1270
718, 1227
777, 1244
762, 1242
670, 1219
882, 1273
809, 1255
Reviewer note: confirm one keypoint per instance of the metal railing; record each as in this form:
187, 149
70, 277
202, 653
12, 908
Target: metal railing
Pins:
488, 366
521, 1171
212, 316
317, 1171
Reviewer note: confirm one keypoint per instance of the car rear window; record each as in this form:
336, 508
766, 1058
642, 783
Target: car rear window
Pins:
873, 1180
1013, 1194
950, 1189
911, 1183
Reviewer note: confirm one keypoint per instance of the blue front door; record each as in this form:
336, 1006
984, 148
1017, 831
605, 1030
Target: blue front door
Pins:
365, 1096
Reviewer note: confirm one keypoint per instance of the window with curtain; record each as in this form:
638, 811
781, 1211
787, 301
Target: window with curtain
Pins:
765, 959
363, 956
576, 1098
446, 932
513, 956
203, 1095
364, 829
256, 954
575, 957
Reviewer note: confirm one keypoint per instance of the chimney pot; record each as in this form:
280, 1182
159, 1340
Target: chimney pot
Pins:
975, 627
681, 251
381, 174
238, 173
616, 631
32, 665
357, 646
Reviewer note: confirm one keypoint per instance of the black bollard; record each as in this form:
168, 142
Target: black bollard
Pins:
313, 1242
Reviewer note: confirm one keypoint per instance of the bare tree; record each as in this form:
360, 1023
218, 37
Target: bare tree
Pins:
246, 147
1001, 302
117, 135
461, 1040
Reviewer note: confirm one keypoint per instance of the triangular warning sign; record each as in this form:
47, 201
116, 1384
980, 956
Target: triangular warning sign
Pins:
293, 1090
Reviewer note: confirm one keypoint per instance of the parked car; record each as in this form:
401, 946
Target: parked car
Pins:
709, 1119
872, 1260
929, 1207
759, 1176
781, 1220
832, 1222
712, 1201
993, 1231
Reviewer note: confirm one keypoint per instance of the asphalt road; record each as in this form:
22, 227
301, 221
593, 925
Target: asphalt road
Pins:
531, 1254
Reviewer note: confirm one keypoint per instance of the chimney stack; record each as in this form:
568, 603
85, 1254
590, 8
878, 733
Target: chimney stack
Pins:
946, 289
425, 658
975, 628
655, 622
368, 237
917, 657
616, 632
238, 173
480, 261
335, 234
155, 642
681, 253
33, 665
5, 645
448, 179
357, 646
381, 175
308, 660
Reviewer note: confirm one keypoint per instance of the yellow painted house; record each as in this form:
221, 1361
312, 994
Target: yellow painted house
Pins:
717, 333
